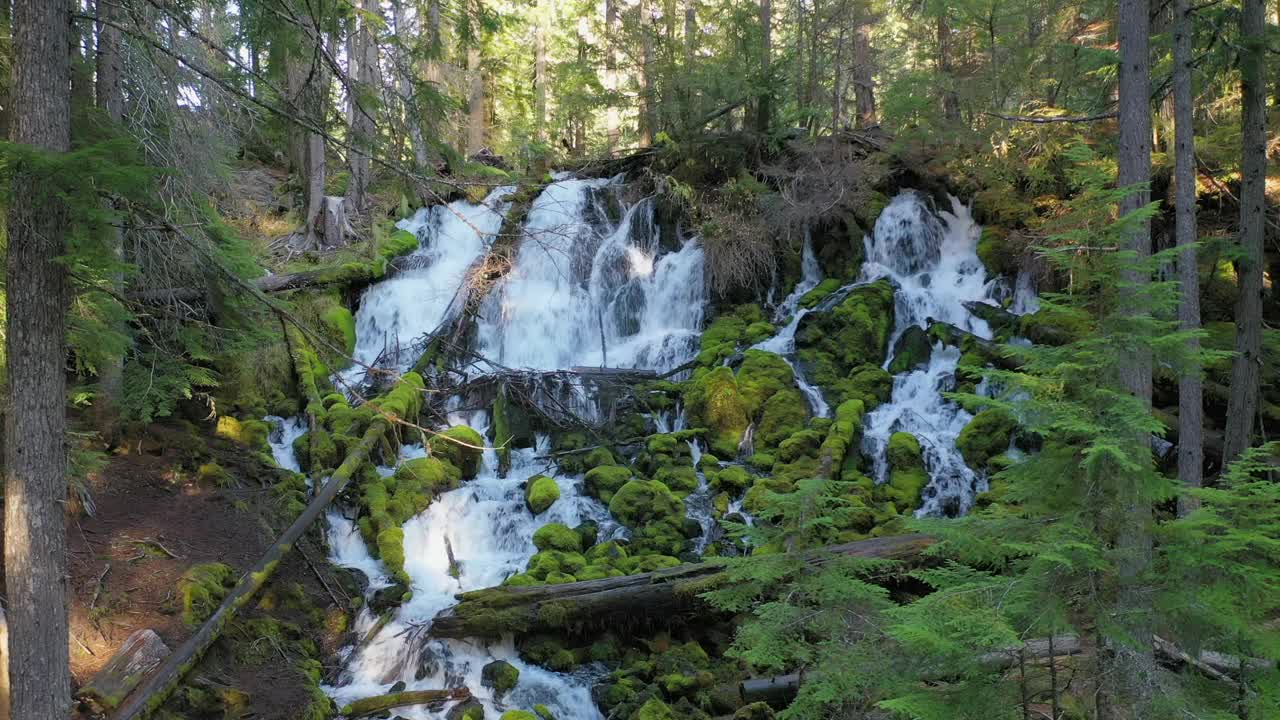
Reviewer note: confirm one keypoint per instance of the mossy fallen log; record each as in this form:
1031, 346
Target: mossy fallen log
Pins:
354, 274
658, 594
391, 701
153, 691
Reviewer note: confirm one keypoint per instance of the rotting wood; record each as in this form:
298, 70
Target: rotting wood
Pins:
141, 653
156, 688
661, 593
390, 701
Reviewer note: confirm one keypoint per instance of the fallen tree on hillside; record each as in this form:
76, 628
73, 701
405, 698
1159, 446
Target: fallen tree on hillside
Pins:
593, 603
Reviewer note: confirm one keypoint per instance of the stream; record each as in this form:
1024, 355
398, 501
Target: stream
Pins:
595, 284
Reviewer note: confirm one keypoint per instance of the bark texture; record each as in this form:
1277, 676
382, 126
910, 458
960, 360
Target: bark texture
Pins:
648, 71
110, 97
363, 126
1190, 384
1127, 664
35, 548
764, 104
1242, 407
863, 74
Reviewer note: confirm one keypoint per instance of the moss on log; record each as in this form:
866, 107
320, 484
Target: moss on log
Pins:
390, 701
659, 594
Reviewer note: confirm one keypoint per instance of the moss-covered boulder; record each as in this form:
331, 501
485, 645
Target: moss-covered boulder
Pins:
540, 493
986, 436
499, 676
907, 475
912, 350
654, 514
842, 440
681, 479
714, 401
655, 709
754, 711
461, 446
721, 338
784, 414
602, 482
518, 715
733, 479
429, 474
854, 332
760, 376
998, 255
871, 384
251, 433
557, 536
821, 292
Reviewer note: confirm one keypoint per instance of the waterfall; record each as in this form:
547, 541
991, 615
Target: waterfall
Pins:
402, 309
588, 291
593, 282
931, 259
784, 342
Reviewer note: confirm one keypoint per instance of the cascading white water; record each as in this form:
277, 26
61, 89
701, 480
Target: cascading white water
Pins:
585, 291
398, 311
487, 530
784, 342
931, 259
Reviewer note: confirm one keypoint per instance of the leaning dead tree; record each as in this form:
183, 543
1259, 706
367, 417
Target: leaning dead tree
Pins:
593, 603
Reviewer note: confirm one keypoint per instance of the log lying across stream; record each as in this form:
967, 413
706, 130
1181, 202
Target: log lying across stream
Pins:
662, 593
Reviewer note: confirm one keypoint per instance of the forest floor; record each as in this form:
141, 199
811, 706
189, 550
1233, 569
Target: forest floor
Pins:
153, 519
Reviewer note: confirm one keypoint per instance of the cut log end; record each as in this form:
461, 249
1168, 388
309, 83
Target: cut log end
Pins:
141, 653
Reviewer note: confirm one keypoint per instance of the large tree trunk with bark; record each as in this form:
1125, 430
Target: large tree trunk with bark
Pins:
1246, 368
363, 126
110, 96
1190, 384
404, 87
596, 603
950, 100
613, 123
864, 89
649, 73
476, 125
540, 71
764, 103
1127, 665
35, 544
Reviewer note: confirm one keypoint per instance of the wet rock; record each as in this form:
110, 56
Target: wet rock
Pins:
499, 676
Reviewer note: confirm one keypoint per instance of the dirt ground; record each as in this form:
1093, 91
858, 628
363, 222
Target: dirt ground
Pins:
152, 520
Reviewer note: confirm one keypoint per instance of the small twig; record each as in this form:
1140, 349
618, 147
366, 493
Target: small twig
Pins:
1036, 120
98, 592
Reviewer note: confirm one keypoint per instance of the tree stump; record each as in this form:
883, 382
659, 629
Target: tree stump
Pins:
141, 653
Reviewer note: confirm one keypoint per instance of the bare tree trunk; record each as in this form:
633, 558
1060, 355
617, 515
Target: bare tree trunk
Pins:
837, 83
811, 93
363, 127
950, 101
35, 544
648, 113
404, 87
864, 89
613, 131
1127, 663
111, 100
475, 102
4, 653
1242, 406
764, 106
1190, 390
690, 44
540, 72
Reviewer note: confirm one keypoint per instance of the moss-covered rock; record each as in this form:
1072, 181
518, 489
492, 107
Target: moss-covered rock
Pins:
654, 709
714, 401
986, 436
844, 435
912, 350
820, 293
754, 711
557, 536
499, 676
518, 715
461, 446
997, 254
854, 332
907, 475
428, 474
733, 479
602, 482
654, 514
871, 384
760, 376
253, 434
598, 457
681, 479
540, 493
342, 323
784, 414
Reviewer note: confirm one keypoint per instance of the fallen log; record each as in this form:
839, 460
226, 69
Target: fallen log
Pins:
142, 652
153, 691
355, 274
778, 690
658, 594
391, 701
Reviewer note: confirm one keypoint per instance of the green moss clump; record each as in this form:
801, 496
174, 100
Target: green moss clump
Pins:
543, 712
720, 339
912, 350
845, 433
540, 493
824, 289
499, 676
681, 479
400, 242
250, 433
654, 514
759, 331
391, 550
214, 474
654, 709
461, 446
907, 476
996, 253
761, 375
518, 715
785, 413
754, 711
202, 588
714, 401
871, 384
429, 474
598, 457
733, 479
985, 437
602, 482
557, 536
856, 331
342, 323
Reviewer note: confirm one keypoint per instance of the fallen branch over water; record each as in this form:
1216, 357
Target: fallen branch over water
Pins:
390, 701
662, 593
